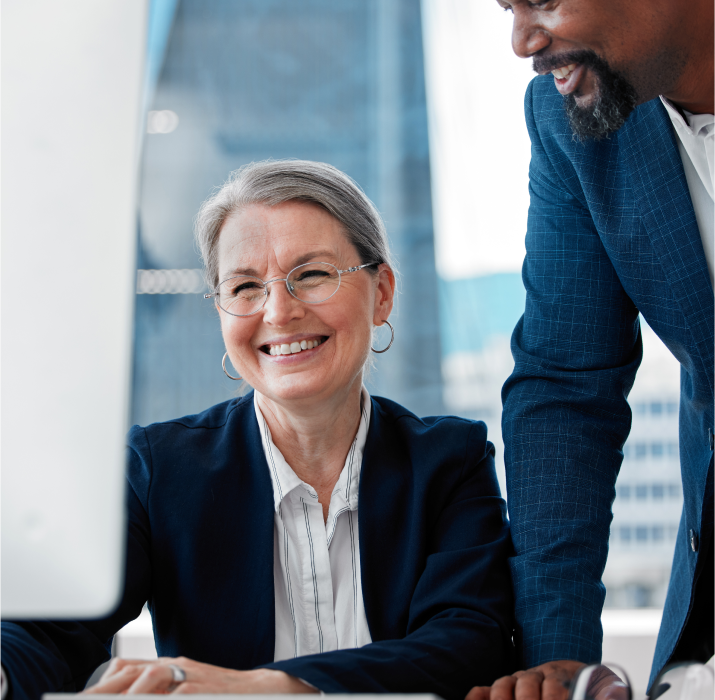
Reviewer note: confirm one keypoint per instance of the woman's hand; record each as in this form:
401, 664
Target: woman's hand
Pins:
139, 676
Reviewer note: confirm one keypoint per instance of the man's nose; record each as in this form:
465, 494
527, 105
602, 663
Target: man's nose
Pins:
281, 306
527, 36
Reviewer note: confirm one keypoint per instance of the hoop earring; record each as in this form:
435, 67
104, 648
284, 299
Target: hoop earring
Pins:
389, 345
225, 371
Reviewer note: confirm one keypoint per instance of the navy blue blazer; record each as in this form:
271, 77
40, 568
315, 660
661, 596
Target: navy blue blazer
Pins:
434, 544
611, 232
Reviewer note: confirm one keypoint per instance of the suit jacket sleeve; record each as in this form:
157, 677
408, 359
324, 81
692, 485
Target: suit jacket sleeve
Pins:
576, 351
460, 615
42, 656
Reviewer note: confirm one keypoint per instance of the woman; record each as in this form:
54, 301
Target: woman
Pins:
305, 537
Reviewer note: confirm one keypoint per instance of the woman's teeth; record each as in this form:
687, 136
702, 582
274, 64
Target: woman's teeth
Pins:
292, 348
564, 72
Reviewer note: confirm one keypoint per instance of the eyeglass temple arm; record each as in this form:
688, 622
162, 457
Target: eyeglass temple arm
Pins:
359, 267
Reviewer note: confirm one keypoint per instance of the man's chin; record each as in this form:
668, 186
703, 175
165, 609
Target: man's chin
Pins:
598, 113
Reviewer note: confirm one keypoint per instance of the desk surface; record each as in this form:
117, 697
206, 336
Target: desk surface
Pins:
206, 696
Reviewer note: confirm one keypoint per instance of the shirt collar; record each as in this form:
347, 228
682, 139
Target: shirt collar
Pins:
284, 479
693, 124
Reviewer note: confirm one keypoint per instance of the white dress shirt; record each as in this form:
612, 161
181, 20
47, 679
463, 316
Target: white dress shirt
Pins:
696, 143
316, 565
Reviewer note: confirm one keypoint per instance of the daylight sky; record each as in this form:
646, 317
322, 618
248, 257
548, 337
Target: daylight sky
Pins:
478, 140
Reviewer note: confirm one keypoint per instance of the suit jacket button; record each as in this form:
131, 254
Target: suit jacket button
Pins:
694, 540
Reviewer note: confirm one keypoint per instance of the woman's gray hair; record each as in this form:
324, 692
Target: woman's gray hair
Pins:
272, 182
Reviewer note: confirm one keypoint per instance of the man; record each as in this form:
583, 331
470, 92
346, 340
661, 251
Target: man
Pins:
620, 222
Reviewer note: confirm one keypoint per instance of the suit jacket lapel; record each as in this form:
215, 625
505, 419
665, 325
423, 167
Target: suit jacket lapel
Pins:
651, 155
389, 560
254, 512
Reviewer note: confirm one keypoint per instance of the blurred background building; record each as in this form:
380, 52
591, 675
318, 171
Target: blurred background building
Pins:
244, 80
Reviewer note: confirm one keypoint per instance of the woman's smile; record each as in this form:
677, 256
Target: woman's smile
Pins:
293, 346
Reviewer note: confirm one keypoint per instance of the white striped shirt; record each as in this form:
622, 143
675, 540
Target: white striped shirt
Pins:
316, 565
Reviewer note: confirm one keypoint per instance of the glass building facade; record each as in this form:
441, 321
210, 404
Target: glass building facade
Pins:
245, 80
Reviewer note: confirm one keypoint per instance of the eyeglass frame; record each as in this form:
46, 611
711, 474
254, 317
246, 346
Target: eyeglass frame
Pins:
215, 293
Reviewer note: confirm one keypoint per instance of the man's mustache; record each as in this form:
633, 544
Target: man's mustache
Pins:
545, 64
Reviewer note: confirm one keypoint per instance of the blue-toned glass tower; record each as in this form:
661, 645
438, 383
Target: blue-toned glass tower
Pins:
340, 81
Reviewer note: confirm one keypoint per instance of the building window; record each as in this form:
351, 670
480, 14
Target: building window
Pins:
656, 408
673, 491
640, 409
641, 533
657, 449
657, 533
641, 449
625, 533
641, 492
658, 491
671, 407
624, 492
673, 449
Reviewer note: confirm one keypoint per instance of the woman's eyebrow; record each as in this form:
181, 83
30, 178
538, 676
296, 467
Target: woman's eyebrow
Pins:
252, 272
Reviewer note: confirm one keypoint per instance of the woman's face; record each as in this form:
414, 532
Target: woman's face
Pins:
268, 242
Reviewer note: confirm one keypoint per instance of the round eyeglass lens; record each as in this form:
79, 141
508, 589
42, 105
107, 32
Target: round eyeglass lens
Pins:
314, 282
688, 681
241, 296
601, 682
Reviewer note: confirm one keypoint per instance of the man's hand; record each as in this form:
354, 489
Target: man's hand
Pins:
550, 681
553, 681
129, 676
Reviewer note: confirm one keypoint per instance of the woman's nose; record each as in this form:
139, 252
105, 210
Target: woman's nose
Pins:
527, 35
281, 306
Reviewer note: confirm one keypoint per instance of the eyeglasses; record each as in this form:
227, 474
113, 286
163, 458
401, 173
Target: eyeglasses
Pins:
685, 681
311, 283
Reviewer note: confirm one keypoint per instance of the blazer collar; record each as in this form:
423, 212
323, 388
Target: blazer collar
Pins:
650, 152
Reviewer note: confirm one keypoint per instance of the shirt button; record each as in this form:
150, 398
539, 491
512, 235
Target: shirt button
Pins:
694, 540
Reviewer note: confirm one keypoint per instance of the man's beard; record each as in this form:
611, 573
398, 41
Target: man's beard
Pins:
614, 100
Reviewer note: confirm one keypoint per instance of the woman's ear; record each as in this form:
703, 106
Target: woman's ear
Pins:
384, 294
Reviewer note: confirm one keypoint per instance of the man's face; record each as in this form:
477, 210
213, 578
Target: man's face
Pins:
606, 56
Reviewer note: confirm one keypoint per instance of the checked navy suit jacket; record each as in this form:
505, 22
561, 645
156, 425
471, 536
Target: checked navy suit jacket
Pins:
434, 544
611, 233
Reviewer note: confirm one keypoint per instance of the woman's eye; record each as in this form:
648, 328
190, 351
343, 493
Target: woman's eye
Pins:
246, 286
311, 273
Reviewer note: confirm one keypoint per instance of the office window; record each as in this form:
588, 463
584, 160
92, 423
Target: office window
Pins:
624, 492
674, 491
658, 491
641, 492
657, 533
641, 533
671, 407
641, 448
657, 449
673, 449
640, 409
625, 533
656, 408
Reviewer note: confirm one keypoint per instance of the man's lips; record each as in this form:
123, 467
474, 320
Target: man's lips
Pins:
568, 78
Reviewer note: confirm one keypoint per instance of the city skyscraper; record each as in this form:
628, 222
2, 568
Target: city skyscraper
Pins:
245, 80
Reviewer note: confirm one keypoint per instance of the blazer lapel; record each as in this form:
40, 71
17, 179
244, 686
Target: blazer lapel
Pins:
651, 156
250, 555
389, 560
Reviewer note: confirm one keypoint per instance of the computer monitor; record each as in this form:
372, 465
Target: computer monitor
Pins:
72, 75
